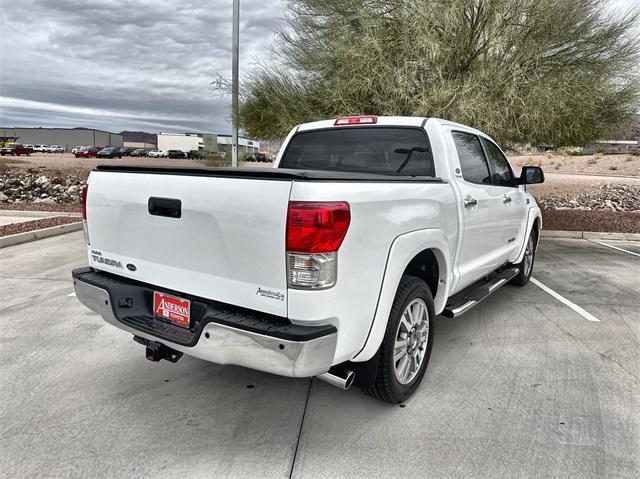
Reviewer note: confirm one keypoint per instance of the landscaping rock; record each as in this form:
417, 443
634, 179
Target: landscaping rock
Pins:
30, 187
614, 197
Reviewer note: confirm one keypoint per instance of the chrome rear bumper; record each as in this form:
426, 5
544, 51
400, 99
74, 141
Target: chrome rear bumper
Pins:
223, 344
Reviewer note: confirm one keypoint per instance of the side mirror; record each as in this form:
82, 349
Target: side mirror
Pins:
531, 175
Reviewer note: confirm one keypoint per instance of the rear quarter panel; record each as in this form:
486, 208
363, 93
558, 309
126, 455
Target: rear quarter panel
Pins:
380, 212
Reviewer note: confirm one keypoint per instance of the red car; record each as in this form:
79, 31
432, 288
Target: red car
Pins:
15, 149
87, 151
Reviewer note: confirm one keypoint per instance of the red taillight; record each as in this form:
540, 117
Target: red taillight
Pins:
356, 120
84, 202
317, 227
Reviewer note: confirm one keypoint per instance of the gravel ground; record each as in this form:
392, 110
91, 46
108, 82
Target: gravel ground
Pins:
598, 221
624, 165
572, 184
67, 208
16, 228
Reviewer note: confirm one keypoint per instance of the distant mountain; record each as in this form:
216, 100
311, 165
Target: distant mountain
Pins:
139, 137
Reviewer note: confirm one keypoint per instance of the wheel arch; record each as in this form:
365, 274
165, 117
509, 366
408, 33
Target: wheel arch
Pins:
534, 220
416, 253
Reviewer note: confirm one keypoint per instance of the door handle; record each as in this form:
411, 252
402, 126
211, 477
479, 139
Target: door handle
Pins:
469, 202
506, 199
169, 207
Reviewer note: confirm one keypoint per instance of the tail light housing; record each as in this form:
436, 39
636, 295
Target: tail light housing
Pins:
85, 229
315, 231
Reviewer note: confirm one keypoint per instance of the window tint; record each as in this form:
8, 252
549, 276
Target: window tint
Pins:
502, 174
472, 160
366, 150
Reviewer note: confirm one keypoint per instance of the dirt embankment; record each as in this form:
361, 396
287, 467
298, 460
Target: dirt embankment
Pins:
598, 164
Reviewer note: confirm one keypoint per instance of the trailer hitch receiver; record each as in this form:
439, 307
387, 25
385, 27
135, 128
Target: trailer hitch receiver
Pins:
156, 351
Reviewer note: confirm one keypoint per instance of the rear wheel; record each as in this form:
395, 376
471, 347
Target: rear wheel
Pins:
525, 267
406, 347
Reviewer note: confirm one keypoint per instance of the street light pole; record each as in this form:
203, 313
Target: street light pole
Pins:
234, 82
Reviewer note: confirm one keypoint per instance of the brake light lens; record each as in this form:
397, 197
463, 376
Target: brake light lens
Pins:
85, 229
356, 120
315, 231
84, 202
317, 227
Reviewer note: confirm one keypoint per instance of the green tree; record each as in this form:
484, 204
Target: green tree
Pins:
563, 72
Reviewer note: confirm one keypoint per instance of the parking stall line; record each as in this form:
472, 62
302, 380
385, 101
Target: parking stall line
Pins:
586, 315
615, 247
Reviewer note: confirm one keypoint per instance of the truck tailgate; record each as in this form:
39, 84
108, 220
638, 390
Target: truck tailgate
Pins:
227, 245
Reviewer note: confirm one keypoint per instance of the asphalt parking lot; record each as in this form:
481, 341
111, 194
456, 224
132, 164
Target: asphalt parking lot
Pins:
522, 386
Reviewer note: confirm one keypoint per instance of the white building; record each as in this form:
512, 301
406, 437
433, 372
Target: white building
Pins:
180, 141
245, 145
205, 142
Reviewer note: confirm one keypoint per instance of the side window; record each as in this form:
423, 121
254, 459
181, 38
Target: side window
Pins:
471, 156
502, 174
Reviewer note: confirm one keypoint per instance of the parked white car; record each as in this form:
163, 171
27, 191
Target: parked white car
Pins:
54, 149
157, 154
40, 148
333, 264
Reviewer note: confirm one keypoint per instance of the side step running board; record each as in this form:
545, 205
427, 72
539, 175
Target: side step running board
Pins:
466, 299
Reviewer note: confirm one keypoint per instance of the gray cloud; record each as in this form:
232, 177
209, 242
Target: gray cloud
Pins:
125, 64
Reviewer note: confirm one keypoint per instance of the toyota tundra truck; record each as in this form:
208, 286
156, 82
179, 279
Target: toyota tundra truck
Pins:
332, 264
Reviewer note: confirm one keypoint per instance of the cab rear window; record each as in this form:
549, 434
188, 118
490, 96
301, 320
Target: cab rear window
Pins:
380, 150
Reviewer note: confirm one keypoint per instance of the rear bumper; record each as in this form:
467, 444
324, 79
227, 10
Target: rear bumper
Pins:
219, 333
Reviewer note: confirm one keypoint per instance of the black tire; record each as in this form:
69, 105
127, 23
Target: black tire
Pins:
524, 270
386, 386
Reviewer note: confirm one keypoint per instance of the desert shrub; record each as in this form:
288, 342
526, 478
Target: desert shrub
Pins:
613, 167
592, 161
216, 159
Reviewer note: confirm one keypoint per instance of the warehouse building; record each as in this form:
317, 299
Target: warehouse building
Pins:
205, 142
245, 146
68, 138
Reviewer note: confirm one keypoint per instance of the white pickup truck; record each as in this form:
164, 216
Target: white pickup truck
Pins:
333, 263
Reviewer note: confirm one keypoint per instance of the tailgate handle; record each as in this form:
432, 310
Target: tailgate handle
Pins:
169, 207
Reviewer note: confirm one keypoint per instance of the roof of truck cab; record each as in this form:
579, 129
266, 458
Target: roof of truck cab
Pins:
381, 121
389, 121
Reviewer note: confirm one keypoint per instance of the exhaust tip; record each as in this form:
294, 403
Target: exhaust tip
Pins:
342, 381
348, 380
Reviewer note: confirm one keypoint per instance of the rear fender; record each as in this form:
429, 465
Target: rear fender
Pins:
403, 249
534, 213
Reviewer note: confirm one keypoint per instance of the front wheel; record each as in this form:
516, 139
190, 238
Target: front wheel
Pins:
525, 267
406, 347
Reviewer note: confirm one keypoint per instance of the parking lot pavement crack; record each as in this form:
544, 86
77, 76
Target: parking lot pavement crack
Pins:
304, 414
635, 378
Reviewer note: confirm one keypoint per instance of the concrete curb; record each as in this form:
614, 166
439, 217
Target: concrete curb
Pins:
590, 235
38, 214
28, 236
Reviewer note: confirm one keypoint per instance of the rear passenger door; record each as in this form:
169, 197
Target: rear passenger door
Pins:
513, 198
480, 248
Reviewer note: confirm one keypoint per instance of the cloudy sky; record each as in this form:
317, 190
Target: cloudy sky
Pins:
129, 64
